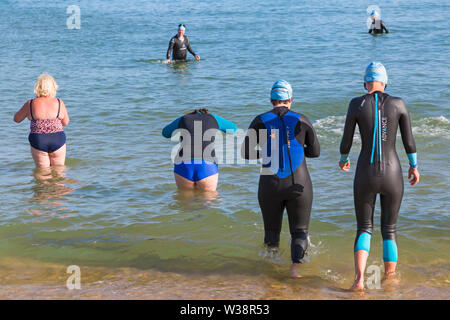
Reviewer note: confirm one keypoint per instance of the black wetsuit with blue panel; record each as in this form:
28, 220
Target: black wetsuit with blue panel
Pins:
286, 138
378, 171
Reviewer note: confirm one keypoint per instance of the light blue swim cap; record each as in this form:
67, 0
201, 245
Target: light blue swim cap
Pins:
375, 14
181, 27
281, 90
375, 71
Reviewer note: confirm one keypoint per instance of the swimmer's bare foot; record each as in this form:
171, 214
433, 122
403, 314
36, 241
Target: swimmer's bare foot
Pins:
295, 273
390, 280
358, 285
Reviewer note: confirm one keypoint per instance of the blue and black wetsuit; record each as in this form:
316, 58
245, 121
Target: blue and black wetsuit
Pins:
378, 116
287, 138
196, 157
178, 48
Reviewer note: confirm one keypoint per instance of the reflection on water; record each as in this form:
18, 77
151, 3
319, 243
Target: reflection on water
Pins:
193, 199
180, 67
49, 189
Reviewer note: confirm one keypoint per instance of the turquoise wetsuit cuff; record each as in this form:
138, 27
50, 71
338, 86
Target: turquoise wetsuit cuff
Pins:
363, 242
412, 159
344, 158
390, 251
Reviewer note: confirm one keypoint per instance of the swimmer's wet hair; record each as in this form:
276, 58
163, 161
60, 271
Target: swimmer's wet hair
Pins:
277, 102
201, 110
45, 86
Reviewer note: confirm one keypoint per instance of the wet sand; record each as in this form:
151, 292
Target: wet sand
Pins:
31, 280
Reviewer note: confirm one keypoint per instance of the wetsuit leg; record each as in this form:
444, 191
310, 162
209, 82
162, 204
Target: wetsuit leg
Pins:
391, 199
364, 198
272, 208
299, 211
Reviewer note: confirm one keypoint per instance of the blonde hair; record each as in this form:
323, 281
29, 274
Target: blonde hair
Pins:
45, 86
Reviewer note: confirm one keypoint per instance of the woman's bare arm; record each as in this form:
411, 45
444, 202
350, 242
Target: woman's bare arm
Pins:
22, 113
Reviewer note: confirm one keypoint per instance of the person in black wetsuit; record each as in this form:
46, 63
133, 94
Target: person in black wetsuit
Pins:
377, 26
378, 171
287, 137
178, 46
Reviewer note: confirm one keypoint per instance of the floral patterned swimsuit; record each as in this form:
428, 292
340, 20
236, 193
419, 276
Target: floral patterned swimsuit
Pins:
46, 135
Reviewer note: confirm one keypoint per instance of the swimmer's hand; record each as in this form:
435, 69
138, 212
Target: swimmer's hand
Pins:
414, 173
197, 58
167, 61
344, 166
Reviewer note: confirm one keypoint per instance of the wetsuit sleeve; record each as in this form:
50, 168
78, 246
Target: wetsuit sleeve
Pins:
312, 146
170, 128
406, 132
383, 27
371, 27
169, 50
188, 46
225, 125
349, 130
248, 149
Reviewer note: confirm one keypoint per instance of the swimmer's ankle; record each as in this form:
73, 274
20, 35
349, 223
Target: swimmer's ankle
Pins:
294, 270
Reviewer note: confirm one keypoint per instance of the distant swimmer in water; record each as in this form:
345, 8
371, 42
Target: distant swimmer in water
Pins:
378, 171
47, 116
377, 26
178, 46
286, 138
195, 163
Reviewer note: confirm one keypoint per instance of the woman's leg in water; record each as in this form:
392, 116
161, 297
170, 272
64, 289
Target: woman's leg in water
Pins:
41, 158
209, 183
272, 208
390, 206
58, 157
364, 207
299, 211
183, 183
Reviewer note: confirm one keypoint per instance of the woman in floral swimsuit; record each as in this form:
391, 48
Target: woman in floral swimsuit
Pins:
48, 115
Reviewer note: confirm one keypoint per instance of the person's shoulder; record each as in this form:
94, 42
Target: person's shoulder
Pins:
356, 102
257, 121
398, 102
305, 120
358, 99
394, 99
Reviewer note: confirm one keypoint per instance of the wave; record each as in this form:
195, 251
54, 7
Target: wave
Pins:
432, 127
425, 127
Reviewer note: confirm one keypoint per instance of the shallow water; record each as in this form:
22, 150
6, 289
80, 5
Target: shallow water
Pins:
115, 211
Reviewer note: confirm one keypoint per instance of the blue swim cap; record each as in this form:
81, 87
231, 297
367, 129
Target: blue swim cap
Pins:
375, 71
375, 14
181, 27
281, 90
